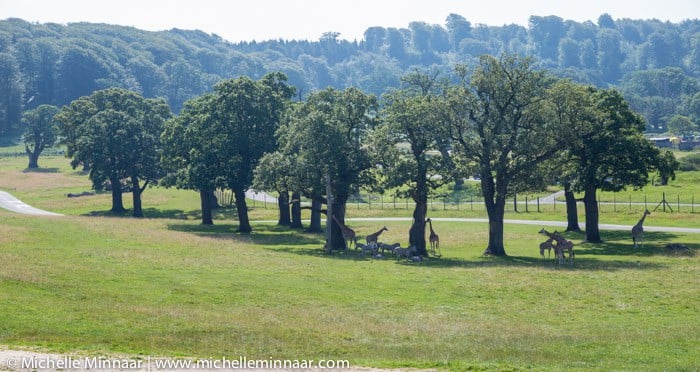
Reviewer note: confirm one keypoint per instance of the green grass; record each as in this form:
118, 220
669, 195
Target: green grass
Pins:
167, 286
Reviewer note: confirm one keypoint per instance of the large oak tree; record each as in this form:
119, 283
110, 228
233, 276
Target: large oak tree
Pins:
500, 125
116, 134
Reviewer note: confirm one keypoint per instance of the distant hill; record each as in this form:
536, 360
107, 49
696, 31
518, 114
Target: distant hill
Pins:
656, 64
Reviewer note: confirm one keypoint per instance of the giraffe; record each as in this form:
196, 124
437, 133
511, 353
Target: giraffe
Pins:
547, 245
562, 245
638, 229
372, 238
434, 239
348, 233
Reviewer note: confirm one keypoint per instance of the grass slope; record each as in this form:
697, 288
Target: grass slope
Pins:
168, 286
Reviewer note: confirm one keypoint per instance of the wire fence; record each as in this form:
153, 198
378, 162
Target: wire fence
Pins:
520, 203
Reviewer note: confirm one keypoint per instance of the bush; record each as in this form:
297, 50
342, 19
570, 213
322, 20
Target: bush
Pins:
690, 163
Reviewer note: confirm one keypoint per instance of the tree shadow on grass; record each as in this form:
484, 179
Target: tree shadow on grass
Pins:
580, 263
619, 243
266, 235
41, 170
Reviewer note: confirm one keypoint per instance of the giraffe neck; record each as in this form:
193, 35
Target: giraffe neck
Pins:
641, 222
431, 226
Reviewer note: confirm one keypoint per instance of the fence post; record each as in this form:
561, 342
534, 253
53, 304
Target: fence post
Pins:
614, 204
515, 202
526, 206
538, 204
471, 203
630, 203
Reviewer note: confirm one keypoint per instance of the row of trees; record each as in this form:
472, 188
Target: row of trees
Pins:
56, 64
514, 126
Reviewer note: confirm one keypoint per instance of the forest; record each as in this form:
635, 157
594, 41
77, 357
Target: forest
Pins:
655, 65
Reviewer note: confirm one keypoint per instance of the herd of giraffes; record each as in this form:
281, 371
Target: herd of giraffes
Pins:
350, 237
563, 248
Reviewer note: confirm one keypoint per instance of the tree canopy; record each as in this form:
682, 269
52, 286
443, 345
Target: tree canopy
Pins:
56, 64
115, 133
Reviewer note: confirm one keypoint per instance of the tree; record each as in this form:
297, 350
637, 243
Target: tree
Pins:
500, 126
546, 33
606, 149
324, 137
248, 113
572, 108
610, 55
403, 143
680, 125
458, 28
10, 94
275, 172
192, 158
115, 132
39, 133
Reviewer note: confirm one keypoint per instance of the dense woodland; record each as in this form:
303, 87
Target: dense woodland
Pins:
655, 64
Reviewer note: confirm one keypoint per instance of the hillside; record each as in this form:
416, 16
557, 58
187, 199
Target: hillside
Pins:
656, 64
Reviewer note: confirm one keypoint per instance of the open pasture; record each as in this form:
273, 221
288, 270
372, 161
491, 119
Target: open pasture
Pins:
167, 286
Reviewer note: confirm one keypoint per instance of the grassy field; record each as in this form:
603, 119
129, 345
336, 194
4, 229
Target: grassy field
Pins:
167, 286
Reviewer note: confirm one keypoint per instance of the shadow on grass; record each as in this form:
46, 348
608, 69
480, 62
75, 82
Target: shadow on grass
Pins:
267, 235
172, 214
41, 170
619, 243
580, 263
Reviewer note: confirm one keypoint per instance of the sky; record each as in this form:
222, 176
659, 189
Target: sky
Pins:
247, 20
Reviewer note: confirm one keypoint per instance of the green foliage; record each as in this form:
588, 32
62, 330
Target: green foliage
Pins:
56, 64
498, 122
40, 131
116, 134
690, 163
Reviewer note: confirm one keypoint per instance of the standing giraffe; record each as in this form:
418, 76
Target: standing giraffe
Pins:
434, 239
547, 245
638, 229
348, 233
372, 238
562, 245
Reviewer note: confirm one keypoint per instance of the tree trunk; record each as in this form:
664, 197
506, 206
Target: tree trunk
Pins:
495, 202
242, 209
296, 211
416, 234
117, 204
496, 211
337, 240
136, 194
213, 201
591, 204
205, 198
571, 209
283, 206
315, 225
33, 158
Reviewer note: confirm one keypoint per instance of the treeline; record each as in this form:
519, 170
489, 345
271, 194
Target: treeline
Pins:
512, 125
655, 64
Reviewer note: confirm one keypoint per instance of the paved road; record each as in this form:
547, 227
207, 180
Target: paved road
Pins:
13, 204
602, 226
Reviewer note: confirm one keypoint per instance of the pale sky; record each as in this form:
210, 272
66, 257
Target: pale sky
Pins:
308, 19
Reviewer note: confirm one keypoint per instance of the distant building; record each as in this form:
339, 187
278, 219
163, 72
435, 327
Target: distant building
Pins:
662, 142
